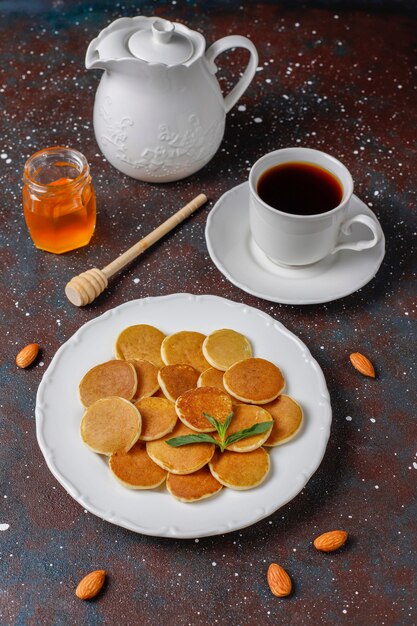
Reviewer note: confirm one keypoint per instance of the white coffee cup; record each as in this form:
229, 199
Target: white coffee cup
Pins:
289, 239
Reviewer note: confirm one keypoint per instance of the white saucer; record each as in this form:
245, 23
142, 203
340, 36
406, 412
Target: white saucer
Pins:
238, 257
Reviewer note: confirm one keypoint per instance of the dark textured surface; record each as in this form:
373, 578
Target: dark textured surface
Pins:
337, 76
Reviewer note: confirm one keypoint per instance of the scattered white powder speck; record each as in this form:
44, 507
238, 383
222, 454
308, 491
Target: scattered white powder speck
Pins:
257, 120
414, 465
136, 280
372, 420
348, 418
214, 563
241, 107
4, 526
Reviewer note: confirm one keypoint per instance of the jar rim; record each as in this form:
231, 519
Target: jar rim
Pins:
40, 158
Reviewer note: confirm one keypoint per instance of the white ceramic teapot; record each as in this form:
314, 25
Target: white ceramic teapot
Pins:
159, 114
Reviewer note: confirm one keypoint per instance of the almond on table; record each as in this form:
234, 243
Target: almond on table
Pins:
330, 541
362, 364
279, 581
90, 585
27, 355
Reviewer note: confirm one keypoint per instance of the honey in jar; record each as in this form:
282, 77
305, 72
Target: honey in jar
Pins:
58, 200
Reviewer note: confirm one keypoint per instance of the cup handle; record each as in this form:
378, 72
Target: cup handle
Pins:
368, 221
234, 41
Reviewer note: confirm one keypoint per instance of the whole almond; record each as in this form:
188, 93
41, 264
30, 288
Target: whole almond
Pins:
27, 355
362, 364
90, 585
333, 540
279, 581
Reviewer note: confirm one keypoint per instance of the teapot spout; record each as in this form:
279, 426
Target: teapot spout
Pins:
93, 60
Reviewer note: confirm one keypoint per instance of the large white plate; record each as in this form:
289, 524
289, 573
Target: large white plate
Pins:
85, 475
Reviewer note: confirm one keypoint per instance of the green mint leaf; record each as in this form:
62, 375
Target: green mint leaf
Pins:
227, 421
256, 429
176, 442
223, 429
217, 425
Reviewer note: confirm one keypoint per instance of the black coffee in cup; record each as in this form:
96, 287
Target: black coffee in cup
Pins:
300, 188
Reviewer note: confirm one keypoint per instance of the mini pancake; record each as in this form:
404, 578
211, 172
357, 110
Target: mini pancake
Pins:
245, 416
113, 378
140, 342
135, 469
184, 347
182, 460
243, 470
191, 405
213, 378
147, 375
191, 487
111, 424
158, 417
288, 418
224, 347
176, 379
255, 381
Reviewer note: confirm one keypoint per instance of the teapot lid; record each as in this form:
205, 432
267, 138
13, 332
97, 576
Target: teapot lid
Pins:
161, 43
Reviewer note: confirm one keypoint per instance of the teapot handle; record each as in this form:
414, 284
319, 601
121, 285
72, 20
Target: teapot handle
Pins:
234, 41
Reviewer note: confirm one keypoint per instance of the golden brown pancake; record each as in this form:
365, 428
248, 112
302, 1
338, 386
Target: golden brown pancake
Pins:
111, 424
245, 416
288, 418
224, 347
113, 378
193, 403
243, 470
175, 379
147, 375
191, 487
158, 417
135, 469
255, 381
184, 347
140, 342
182, 460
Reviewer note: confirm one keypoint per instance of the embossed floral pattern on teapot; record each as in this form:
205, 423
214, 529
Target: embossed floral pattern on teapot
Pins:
159, 114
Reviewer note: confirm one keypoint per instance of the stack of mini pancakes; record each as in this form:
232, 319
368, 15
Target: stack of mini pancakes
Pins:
159, 387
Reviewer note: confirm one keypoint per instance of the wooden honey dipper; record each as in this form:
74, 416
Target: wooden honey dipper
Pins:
85, 288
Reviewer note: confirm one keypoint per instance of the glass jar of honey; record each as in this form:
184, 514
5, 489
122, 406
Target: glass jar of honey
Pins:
58, 200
